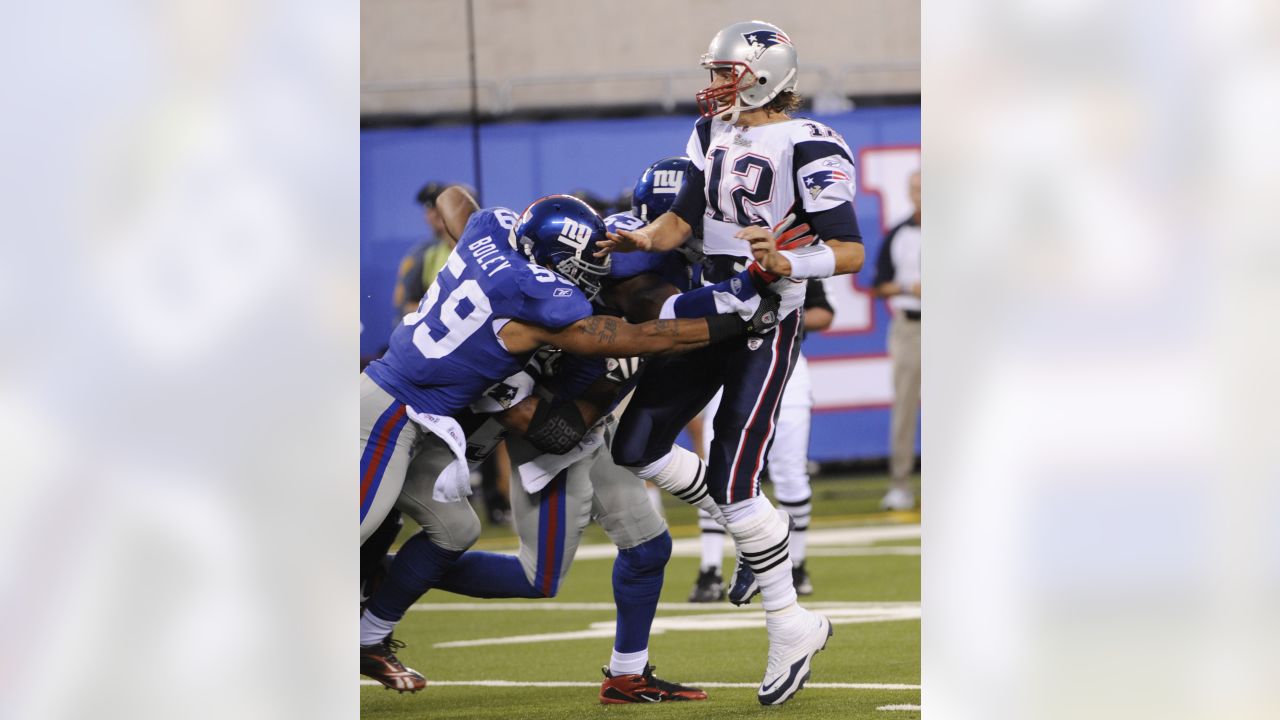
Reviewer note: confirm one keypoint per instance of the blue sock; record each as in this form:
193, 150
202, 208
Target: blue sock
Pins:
488, 575
637, 583
416, 569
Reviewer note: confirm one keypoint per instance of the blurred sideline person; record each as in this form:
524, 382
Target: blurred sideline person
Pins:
754, 168
788, 466
898, 281
421, 264
514, 284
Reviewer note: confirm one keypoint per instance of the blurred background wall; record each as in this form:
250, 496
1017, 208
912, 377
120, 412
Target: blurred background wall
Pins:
575, 53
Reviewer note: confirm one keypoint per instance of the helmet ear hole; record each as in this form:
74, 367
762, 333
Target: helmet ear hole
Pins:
763, 80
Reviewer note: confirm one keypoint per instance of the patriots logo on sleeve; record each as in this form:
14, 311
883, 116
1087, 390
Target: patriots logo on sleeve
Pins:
822, 180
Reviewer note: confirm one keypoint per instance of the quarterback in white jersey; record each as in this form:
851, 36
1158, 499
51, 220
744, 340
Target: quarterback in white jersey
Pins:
755, 172
755, 176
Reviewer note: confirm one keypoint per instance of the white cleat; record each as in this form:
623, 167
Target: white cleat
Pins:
789, 658
898, 500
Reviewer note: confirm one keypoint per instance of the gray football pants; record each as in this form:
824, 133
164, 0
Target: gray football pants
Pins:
549, 522
399, 465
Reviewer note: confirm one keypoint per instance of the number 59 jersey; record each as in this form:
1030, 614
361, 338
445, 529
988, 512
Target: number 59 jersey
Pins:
759, 175
442, 357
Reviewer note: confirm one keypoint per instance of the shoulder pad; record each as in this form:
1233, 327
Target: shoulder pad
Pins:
549, 300
494, 222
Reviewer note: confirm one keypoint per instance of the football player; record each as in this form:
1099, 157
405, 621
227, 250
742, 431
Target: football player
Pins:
490, 308
585, 483
788, 461
754, 168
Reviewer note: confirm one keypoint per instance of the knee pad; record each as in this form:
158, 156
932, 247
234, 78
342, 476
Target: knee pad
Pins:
649, 557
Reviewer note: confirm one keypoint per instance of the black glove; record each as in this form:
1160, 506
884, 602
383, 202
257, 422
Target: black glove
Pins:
765, 319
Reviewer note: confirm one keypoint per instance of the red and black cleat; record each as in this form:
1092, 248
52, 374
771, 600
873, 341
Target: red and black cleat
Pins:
644, 688
379, 662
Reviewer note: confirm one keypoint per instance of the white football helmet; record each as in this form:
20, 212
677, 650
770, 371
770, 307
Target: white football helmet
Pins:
763, 61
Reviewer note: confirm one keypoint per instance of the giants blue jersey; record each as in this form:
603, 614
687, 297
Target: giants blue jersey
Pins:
442, 357
670, 266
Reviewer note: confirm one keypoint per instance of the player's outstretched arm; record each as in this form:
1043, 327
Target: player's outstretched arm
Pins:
668, 232
648, 297
604, 336
639, 297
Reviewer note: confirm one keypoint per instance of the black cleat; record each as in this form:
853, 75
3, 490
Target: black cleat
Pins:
800, 578
709, 587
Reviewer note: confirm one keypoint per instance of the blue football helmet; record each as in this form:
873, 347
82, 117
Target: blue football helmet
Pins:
564, 233
657, 188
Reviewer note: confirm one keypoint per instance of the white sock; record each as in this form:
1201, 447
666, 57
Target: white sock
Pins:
775, 619
799, 540
761, 536
799, 513
684, 475
712, 542
632, 663
374, 629
655, 497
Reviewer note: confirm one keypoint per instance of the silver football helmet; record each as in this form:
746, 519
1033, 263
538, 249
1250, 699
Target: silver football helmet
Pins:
763, 62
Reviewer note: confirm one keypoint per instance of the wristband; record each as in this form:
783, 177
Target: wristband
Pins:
723, 327
814, 261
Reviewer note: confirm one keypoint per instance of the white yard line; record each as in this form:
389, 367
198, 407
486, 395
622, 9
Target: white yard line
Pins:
898, 707
733, 620
569, 684
692, 547
527, 605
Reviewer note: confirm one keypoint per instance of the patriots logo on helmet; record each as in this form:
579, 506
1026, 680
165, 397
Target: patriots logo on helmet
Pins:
761, 40
822, 180
766, 38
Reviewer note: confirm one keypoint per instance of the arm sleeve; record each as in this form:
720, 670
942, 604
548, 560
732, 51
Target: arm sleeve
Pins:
884, 260
838, 223
713, 299
815, 296
691, 203
824, 184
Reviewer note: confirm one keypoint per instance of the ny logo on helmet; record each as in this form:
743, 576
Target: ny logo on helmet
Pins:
667, 181
575, 234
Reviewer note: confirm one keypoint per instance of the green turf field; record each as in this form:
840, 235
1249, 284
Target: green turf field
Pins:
865, 567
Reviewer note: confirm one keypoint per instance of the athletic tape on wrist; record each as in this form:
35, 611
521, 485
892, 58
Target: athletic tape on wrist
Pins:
814, 261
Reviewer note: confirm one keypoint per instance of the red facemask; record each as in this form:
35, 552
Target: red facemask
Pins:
714, 100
